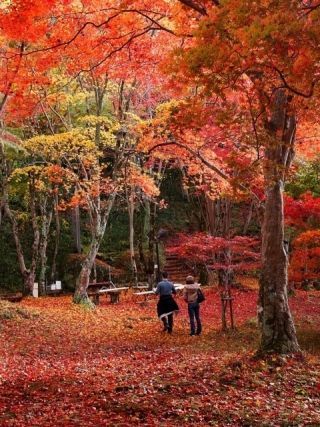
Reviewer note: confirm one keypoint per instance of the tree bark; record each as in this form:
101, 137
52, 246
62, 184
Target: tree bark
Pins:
28, 275
278, 331
86, 268
46, 218
130, 204
98, 231
248, 219
57, 238
76, 229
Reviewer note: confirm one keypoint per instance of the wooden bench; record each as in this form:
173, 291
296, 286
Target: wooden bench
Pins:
138, 287
144, 294
101, 285
95, 287
114, 294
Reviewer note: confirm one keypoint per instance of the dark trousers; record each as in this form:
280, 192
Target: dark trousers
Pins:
194, 315
168, 322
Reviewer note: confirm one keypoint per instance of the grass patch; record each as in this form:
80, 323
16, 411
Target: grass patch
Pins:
9, 311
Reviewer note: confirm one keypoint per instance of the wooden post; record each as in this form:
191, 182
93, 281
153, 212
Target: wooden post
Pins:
226, 305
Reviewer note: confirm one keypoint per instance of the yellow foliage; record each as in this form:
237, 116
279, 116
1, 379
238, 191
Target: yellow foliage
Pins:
73, 145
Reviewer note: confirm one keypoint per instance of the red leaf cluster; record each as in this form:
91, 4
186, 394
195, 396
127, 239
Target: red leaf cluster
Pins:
303, 211
202, 248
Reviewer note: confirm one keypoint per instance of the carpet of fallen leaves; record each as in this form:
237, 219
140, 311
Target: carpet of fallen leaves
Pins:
66, 366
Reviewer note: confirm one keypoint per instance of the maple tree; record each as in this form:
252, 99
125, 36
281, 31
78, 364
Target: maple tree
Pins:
242, 77
201, 249
255, 50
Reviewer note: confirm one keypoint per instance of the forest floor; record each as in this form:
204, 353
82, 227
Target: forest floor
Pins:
61, 365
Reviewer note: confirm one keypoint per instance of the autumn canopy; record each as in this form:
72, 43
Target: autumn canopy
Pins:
138, 136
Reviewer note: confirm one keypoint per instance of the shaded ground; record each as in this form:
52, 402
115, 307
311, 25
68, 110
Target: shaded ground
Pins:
114, 367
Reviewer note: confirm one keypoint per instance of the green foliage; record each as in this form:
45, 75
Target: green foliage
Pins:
10, 278
10, 311
306, 179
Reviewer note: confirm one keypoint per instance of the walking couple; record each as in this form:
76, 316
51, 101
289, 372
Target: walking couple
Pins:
167, 306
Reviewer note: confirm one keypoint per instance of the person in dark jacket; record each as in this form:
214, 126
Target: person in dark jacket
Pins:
190, 295
166, 306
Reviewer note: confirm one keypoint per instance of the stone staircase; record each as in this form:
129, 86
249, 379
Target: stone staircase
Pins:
176, 270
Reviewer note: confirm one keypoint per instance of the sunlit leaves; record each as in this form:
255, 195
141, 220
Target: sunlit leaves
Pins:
70, 146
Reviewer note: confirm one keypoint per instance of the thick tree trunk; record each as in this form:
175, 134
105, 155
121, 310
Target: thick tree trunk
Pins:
278, 331
277, 327
84, 276
28, 281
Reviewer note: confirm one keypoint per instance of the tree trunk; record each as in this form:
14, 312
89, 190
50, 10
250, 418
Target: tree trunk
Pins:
28, 275
130, 203
278, 331
147, 243
57, 239
76, 228
152, 273
223, 212
248, 219
36, 232
98, 231
46, 219
277, 327
84, 276
211, 215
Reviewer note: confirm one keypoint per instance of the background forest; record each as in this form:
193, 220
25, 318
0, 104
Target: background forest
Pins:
52, 220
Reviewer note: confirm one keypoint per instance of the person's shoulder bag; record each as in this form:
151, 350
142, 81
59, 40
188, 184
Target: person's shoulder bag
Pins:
201, 296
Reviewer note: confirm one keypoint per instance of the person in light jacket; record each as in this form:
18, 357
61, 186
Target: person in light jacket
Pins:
190, 295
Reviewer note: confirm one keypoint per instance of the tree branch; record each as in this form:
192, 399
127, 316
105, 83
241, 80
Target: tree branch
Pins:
195, 6
191, 4
214, 168
291, 88
98, 26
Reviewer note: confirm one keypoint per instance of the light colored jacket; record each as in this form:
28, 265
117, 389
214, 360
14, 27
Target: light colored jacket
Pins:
190, 292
